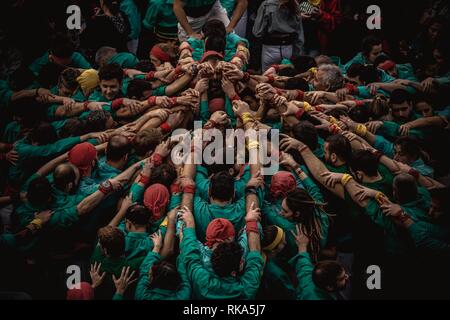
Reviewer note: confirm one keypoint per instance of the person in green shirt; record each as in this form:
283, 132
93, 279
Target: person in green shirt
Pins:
212, 30
111, 79
372, 47
161, 21
40, 144
227, 263
321, 281
110, 253
276, 282
109, 55
161, 280
60, 55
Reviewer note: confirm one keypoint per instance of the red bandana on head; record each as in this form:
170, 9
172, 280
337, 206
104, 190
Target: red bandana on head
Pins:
159, 54
282, 183
156, 199
218, 231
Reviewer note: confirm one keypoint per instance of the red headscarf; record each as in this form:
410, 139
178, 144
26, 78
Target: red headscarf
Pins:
218, 231
216, 104
82, 156
282, 183
211, 53
84, 293
156, 199
159, 54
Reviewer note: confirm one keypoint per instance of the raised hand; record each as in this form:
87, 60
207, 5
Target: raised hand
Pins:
254, 214
124, 281
96, 277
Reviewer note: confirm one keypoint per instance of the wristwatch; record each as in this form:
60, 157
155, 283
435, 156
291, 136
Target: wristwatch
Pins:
106, 187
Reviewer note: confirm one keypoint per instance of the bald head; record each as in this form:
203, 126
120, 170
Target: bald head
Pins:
64, 177
118, 148
405, 188
104, 54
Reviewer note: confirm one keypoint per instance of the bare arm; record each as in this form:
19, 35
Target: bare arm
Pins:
181, 16
239, 10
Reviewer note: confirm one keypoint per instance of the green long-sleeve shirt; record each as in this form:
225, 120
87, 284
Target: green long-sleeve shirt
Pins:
145, 292
125, 59
27, 152
430, 237
78, 61
137, 244
206, 285
114, 266
306, 289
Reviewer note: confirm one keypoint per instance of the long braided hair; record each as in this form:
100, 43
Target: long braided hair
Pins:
304, 208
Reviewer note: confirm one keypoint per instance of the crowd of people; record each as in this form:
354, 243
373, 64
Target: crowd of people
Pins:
90, 185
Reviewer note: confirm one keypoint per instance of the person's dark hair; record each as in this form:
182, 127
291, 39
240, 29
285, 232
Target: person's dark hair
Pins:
340, 146
147, 140
365, 161
226, 258
422, 97
405, 187
117, 148
303, 63
399, 96
360, 114
138, 215
326, 274
355, 70
306, 132
68, 78
96, 121
113, 6
214, 27
73, 127
165, 276
380, 59
61, 46
287, 72
297, 83
137, 87
222, 186
110, 72
63, 175
304, 208
145, 66
39, 192
379, 107
215, 43
409, 146
270, 232
369, 74
164, 174
368, 42
112, 240
43, 134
